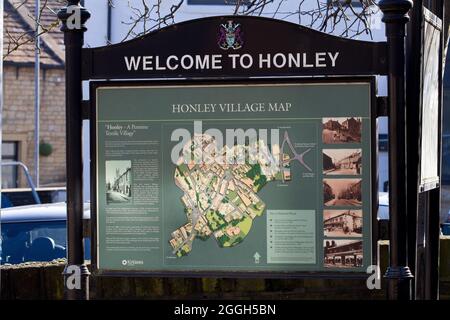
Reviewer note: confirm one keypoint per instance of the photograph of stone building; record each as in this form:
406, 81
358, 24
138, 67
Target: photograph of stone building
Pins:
342, 223
342, 161
341, 130
343, 253
342, 192
118, 181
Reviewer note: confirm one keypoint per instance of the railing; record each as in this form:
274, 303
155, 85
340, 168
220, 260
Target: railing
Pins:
27, 175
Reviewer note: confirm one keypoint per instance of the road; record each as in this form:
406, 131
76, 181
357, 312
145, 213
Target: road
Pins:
298, 157
113, 196
343, 172
340, 233
343, 202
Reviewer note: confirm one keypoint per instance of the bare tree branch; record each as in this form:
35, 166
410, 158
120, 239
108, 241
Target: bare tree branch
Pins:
15, 40
347, 18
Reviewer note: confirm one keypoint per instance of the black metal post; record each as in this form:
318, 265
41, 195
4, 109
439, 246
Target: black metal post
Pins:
395, 16
76, 274
414, 74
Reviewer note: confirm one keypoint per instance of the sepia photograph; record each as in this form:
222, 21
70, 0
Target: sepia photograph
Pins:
341, 130
342, 192
342, 161
342, 223
343, 253
118, 181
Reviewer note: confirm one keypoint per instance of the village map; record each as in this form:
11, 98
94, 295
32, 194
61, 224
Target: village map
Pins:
221, 190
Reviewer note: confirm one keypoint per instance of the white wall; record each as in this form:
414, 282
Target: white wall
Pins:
121, 16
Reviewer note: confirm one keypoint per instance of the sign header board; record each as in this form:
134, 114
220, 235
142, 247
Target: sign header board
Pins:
261, 177
234, 47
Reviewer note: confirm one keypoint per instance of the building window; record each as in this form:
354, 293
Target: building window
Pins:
218, 2
9, 173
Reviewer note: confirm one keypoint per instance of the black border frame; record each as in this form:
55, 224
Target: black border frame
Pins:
332, 274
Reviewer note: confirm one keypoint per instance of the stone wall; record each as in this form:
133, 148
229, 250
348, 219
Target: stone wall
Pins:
44, 281
18, 119
37, 281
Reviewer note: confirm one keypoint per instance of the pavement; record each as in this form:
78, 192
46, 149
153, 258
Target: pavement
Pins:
328, 136
341, 234
113, 196
343, 172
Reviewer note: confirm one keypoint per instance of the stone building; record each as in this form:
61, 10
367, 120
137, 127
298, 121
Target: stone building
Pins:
346, 222
18, 111
122, 184
353, 161
352, 192
328, 193
332, 125
327, 162
353, 126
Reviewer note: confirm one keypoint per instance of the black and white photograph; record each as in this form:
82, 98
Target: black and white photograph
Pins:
342, 223
342, 253
341, 130
342, 192
118, 181
342, 161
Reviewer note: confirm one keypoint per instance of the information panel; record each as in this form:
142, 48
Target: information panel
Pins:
260, 177
431, 82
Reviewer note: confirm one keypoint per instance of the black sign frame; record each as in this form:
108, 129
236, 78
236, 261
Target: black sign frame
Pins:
254, 274
364, 59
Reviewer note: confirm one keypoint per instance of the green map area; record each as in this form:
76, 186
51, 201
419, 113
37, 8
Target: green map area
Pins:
221, 185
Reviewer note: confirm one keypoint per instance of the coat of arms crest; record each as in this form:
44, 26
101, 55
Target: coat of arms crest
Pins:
230, 36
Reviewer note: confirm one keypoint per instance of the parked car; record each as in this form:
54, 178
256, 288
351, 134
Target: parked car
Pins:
36, 233
383, 212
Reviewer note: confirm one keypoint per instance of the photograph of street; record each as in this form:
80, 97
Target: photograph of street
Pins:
342, 223
342, 161
342, 192
118, 181
343, 253
341, 130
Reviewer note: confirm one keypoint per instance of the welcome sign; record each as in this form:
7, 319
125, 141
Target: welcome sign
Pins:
234, 47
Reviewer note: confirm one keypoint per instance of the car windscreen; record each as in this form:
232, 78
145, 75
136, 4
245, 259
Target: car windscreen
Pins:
33, 241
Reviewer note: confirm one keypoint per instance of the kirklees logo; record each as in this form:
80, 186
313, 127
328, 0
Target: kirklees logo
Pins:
230, 36
132, 263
